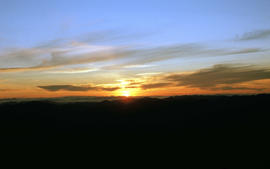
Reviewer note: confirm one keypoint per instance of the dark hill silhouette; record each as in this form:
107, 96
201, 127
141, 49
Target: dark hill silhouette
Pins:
220, 128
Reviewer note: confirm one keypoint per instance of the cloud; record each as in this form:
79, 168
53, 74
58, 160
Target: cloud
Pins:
131, 87
54, 88
66, 87
19, 69
162, 53
259, 34
108, 88
220, 75
32, 60
74, 70
154, 85
148, 74
20, 57
243, 51
7, 90
138, 66
62, 52
237, 88
59, 53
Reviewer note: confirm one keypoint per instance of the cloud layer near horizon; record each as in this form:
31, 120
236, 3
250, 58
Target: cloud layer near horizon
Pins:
54, 88
209, 78
218, 77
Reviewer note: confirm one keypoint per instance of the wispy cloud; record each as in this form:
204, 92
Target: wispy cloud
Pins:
163, 53
237, 88
54, 88
154, 85
148, 74
36, 59
60, 53
20, 57
74, 70
259, 34
47, 56
138, 66
7, 90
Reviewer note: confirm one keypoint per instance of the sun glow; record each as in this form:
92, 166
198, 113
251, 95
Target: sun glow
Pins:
127, 89
126, 93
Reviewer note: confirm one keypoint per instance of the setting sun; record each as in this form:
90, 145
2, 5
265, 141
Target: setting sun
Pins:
126, 93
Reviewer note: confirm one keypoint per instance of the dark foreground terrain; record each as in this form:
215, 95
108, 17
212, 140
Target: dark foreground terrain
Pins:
190, 131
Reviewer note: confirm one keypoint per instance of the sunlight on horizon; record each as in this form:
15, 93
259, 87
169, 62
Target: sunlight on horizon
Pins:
125, 93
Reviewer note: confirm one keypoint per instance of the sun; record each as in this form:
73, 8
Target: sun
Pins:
125, 89
125, 93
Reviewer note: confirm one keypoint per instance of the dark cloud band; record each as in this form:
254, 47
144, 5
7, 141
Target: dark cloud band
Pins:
220, 75
54, 88
154, 85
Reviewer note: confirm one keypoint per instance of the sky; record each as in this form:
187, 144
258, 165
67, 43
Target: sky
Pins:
60, 48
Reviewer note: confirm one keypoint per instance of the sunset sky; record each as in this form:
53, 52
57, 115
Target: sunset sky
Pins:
56, 48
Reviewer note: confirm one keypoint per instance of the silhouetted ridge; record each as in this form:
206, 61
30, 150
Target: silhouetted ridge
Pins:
200, 128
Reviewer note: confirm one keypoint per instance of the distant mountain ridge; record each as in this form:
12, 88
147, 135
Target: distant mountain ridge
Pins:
70, 99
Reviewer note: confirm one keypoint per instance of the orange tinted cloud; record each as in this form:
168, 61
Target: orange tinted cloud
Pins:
220, 75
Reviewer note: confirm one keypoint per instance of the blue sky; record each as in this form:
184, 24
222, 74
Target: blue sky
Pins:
30, 22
